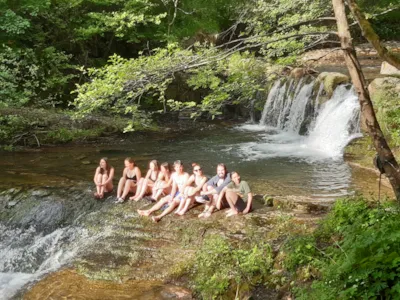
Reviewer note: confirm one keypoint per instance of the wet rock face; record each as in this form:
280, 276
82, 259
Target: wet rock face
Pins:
44, 209
45, 215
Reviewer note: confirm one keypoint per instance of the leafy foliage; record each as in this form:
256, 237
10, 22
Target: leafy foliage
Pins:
358, 256
30, 78
219, 265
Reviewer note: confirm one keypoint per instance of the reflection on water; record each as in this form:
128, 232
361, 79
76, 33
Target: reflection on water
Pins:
278, 163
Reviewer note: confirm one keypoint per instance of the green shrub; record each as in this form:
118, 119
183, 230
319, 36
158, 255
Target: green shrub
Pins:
362, 258
220, 266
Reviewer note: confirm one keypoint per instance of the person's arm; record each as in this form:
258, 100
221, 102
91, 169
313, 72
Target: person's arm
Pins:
189, 182
95, 175
220, 196
138, 174
110, 177
174, 186
148, 174
185, 183
200, 186
249, 203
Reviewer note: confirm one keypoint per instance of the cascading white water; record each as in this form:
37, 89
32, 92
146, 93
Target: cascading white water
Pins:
26, 255
303, 126
337, 123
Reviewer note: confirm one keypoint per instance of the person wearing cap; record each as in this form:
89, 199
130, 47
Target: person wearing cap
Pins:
211, 190
238, 196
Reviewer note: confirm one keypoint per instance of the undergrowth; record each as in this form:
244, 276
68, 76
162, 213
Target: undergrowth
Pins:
353, 254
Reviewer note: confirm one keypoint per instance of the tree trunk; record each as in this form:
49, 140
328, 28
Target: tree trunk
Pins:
368, 118
369, 33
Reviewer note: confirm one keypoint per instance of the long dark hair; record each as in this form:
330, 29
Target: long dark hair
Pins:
108, 166
131, 161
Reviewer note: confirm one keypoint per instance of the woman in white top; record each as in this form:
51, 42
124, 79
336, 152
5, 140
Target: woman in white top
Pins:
179, 181
193, 188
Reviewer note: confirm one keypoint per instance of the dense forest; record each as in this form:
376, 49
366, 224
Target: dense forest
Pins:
123, 58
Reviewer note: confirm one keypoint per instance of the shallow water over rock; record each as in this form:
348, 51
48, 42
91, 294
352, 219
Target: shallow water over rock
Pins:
47, 203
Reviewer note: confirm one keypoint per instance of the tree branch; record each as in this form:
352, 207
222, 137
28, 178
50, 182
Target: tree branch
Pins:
369, 33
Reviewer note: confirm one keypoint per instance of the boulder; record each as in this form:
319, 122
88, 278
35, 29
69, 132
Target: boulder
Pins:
381, 87
331, 80
388, 69
298, 73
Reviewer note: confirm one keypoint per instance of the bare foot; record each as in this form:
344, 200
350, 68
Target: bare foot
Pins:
101, 196
177, 212
96, 195
207, 214
132, 198
156, 219
228, 211
232, 213
181, 213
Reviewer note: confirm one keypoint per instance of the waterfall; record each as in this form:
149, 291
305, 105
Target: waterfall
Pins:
300, 124
337, 123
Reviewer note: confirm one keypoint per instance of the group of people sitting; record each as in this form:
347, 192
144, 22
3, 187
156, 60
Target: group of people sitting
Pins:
176, 189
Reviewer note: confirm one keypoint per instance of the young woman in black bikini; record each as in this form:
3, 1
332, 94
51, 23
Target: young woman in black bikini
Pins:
146, 184
128, 182
103, 178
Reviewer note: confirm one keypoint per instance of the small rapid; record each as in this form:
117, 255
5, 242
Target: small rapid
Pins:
26, 254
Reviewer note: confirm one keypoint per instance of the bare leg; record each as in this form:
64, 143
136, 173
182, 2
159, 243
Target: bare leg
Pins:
129, 186
155, 207
138, 189
121, 185
170, 208
104, 178
143, 190
188, 203
232, 198
181, 200
212, 206
206, 188
98, 182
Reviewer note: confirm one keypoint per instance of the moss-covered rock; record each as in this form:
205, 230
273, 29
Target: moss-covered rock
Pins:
385, 94
330, 80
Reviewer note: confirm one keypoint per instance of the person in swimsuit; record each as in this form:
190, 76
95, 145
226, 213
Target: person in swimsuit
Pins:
146, 184
238, 196
193, 188
212, 189
103, 178
163, 184
128, 182
179, 181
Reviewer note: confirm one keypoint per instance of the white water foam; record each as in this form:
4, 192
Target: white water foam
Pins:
26, 255
332, 129
333, 124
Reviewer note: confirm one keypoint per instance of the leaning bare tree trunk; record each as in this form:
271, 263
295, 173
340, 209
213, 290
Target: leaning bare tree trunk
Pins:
372, 37
368, 118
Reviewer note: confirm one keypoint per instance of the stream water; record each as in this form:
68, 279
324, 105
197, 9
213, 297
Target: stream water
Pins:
271, 155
